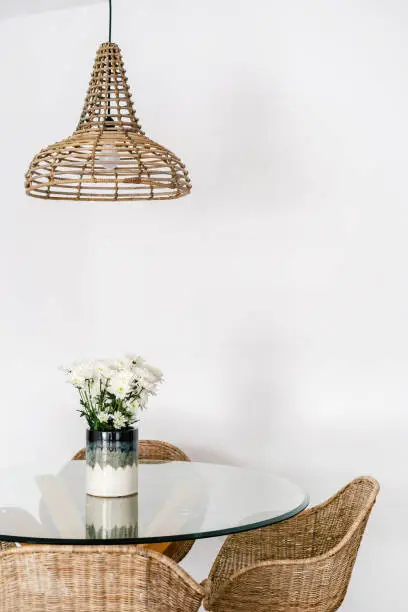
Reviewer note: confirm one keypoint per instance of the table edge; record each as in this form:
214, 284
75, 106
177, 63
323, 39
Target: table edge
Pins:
159, 539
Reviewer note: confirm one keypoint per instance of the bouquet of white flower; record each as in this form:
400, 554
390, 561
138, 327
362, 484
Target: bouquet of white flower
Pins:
112, 393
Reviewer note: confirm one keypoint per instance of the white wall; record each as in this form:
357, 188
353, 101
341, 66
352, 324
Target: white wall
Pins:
274, 297
11, 8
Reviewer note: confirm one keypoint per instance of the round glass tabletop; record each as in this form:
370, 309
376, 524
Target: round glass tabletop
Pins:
175, 501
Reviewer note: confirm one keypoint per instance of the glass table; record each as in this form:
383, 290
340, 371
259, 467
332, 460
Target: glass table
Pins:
175, 501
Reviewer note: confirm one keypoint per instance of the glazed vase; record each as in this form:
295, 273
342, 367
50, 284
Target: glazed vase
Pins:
112, 463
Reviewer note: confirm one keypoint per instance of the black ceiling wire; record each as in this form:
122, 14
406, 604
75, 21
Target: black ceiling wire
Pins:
110, 20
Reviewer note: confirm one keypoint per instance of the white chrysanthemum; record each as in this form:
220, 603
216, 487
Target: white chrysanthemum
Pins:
134, 407
104, 417
121, 383
135, 361
150, 386
123, 362
116, 365
154, 372
143, 398
76, 379
129, 379
119, 420
101, 371
85, 369
140, 373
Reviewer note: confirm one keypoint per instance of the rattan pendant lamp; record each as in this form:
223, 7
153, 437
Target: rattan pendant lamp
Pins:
108, 157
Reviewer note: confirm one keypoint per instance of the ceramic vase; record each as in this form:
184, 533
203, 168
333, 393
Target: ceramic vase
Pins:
112, 463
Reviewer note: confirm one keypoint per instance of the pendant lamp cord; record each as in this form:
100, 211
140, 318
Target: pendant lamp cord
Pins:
110, 40
110, 20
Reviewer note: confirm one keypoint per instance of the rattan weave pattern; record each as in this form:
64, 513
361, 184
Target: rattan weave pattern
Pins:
158, 450
303, 564
97, 579
108, 157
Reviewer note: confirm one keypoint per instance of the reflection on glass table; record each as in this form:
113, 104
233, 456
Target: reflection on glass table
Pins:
175, 501
110, 518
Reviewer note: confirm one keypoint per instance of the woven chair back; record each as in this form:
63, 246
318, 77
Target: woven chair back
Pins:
97, 579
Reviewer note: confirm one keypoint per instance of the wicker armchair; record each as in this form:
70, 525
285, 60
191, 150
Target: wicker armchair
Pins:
156, 450
303, 564
100, 578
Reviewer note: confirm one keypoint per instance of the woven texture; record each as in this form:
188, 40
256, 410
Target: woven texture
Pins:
303, 564
108, 157
156, 450
6, 545
97, 579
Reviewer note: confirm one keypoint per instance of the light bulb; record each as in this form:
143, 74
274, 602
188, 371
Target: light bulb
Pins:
109, 157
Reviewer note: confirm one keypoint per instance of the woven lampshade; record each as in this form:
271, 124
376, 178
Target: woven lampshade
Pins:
108, 157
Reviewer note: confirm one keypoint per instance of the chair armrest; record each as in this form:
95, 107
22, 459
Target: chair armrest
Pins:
290, 539
277, 585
